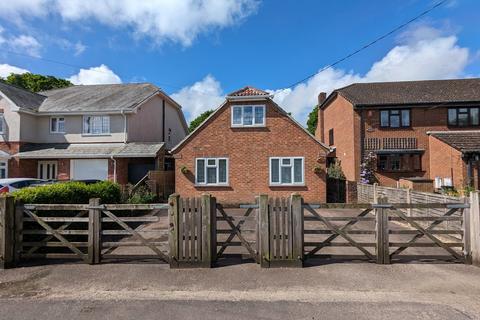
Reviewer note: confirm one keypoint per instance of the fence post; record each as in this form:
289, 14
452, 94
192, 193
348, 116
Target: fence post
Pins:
375, 193
94, 231
209, 236
409, 201
297, 226
264, 231
474, 230
7, 232
173, 231
381, 233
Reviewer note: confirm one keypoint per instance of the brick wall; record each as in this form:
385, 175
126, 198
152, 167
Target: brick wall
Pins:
446, 161
248, 150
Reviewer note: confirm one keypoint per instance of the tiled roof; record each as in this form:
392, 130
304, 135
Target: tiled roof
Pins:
248, 92
464, 141
89, 150
22, 98
97, 97
412, 92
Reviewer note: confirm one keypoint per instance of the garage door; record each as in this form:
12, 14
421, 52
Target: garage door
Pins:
89, 169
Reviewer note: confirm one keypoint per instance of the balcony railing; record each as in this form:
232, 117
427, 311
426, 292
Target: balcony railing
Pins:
390, 143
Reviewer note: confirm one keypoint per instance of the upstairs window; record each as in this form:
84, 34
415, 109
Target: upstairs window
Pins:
248, 116
331, 140
96, 125
57, 125
463, 117
395, 118
286, 171
211, 171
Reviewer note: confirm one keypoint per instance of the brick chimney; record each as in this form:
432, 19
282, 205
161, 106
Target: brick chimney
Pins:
319, 132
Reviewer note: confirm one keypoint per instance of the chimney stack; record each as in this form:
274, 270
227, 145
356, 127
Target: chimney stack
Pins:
322, 97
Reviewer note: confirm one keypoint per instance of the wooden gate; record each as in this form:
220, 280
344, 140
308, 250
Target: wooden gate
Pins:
92, 232
237, 228
192, 231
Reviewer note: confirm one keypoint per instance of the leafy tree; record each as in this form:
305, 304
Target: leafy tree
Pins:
312, 120
36, 82
198, 120
335, 171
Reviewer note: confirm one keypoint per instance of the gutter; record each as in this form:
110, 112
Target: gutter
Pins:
114, 169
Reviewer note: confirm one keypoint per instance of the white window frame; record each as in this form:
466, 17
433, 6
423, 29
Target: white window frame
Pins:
2, 123
57, 125
280, 165
41, 164
5, 162
253, 115
217, 183
86, 133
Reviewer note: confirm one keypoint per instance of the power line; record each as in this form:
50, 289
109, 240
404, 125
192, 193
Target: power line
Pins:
424, 13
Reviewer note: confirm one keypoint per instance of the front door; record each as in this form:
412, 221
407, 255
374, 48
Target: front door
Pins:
47, 170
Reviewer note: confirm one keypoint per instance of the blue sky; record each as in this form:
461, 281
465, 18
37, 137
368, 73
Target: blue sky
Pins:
199, 50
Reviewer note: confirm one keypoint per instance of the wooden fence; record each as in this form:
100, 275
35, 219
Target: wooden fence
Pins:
197, 232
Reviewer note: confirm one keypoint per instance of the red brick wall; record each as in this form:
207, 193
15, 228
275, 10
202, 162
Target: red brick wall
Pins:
340, 117
447, 162
248, 150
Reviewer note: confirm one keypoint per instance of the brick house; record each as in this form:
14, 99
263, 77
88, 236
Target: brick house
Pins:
393, 119
116, 132
250, 146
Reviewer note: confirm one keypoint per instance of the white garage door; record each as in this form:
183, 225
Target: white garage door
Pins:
89, 169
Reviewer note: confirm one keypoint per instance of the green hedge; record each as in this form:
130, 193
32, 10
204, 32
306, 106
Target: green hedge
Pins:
70, 192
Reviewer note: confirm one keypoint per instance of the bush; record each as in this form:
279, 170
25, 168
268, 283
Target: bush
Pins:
141, 196
70, 192
335, 171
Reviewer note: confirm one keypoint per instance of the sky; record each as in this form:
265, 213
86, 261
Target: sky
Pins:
198, 51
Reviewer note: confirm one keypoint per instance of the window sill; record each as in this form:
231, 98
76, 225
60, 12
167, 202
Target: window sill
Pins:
247, 127
288, 185
57, 132
210, 185
96, 135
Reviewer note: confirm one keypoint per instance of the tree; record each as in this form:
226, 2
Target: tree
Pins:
367, 169
312, 120
335, 171
36, 82
198, 120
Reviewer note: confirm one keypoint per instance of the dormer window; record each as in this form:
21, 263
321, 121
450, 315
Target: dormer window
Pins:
248, 116
57, 125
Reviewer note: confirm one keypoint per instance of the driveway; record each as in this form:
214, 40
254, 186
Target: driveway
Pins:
152, 291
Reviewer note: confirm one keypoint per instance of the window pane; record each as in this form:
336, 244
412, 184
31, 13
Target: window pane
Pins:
416, 163
395, 163
211, 162
474, 116
384, 118
297, 170
211, 175
274, 170
452, 117
105, 124
86, 125
382, 163
53, 124
259, 115
201, 171
237, 115
1, 123
394, 121
247, 116
286, 174
61, 125
222, 171
462, 119
405, 118
286, 162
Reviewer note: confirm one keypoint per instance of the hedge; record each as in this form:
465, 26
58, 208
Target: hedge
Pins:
70, 192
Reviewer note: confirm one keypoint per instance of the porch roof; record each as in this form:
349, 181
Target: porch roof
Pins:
467, 141
90, 150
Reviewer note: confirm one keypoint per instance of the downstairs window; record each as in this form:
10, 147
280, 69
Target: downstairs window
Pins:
409, 162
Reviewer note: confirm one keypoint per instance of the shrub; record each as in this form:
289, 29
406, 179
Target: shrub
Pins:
70, 192
335, 171
367, 169
142, 195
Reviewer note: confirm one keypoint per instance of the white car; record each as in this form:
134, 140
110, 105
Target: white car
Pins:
10, 185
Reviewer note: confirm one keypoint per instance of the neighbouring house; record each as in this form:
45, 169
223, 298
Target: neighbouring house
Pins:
117, 132
250, 146
393, 119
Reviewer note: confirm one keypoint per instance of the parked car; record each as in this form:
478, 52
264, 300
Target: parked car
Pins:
10, 185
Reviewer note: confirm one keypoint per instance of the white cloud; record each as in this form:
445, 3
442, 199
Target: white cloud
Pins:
424, 53
6, 70
201, 96
25, 44
95, 75
175, 20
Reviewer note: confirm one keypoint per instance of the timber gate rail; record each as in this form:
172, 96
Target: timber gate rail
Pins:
272, 232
